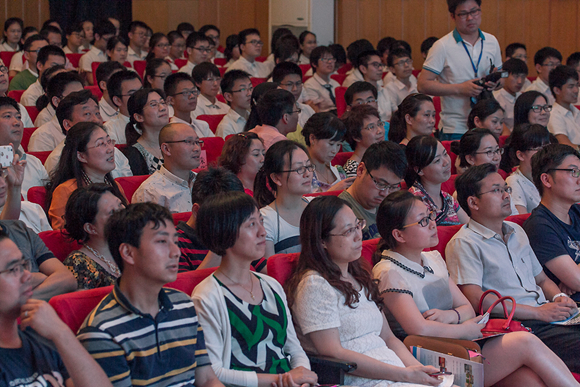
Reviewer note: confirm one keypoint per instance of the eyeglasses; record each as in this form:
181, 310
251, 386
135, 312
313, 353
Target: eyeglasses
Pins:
359, 226
573, 171
188, 93
255, 42
103, 143
502, 190
218, 80
18, 268
243, 90
180, 46
377, 65
156, 104
375, 126
384, 186
3, 69
551, 64
162, 45
491, 153
472, 13
302, 170
405, 62
36, 51
539, 108
424, 222
328, 60
203, 49
290, 85
187, 142
365, 101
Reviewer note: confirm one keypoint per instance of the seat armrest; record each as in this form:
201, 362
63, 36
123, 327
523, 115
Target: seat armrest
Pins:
330, 370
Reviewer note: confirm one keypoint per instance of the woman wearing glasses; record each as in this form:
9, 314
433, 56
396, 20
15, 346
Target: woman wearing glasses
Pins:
279, 188
429, 166
420, 299
336, 304
363, 129
415, 117
323, 134
247, 325
148, 112
156, 71
532, 107
88, 157
488, 114
159, 48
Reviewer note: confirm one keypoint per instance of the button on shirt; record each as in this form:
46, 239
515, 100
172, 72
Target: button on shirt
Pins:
132, 55
448, 59
397, 90
204, 106
478, 256
108, 112
166, 189
255, 69
47, 137
232, 123
320, 95
116, 128
507, 102
31, 94
201, 127
539, 85
93, 55
564, 121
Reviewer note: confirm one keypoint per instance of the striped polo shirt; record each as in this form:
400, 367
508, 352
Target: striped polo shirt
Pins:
136, 349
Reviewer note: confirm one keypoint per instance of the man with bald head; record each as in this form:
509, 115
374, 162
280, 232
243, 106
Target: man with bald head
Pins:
171, 185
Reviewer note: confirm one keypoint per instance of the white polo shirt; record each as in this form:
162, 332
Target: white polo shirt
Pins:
93, 55
31, 94
448, 59
44, 116
507, 102
116, 128
166, 189
17, 62
255, 69
397, 90
107, 111
201, 127
524, 192
542, 87
355, 76
232, 123
188, 68
132, 55
46, 137
204, 106
386, 105
34, 174
564, 121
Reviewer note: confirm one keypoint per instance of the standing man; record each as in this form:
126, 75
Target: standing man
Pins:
455, 61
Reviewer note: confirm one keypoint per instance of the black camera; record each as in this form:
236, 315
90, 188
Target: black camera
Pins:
487, 92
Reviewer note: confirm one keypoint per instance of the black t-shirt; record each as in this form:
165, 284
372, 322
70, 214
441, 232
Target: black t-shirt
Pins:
36, 363
551, 238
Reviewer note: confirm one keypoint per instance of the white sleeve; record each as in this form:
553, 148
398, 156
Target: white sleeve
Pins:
557, 125
85, 64
122, 167
436, 58
316, 305
25, 117
464, 262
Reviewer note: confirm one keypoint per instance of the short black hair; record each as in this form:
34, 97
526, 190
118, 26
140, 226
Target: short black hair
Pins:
58, 83
278, 35
207, 27
227, 83
195, 37
219, 219
338, 52
524, 104
115, 82
286, 47
402, 44
354, 121
318, 53
214, 181
511, 49
136, 24
104, 27
7, 101
185, 26
304, 34
31, 39
201, 71
323, 126
359, 87
483, 109
515, 66
50, 29
469, 183
66, 106
428, 43
396, 54
273, 105
74, 27
386, 154
559, 76
365, 56
106, 69
357, 47
46, 51
573, 59
469, 144
284, 69
549, 157
171, 82
126, 226
248, 31
453, 4
545, 53
385, 44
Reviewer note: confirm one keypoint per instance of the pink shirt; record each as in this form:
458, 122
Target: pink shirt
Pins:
269, 134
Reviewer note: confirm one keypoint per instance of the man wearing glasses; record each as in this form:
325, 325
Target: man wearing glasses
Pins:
103, 31
28, 76
545, 60
121, 86
554, 226
565, 118
371, 67
199, 48
137, 39
171, 185
379, 173
404, 83
457, 60
250, 49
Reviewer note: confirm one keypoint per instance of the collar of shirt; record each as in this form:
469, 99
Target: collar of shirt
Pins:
131, 52
201, 99
165, 303
318, 79
459, 39
235, 116
507, 96
31, 71
110, 110
96, 51
175, 179
541, 84
247, 62
486, 233
400, 85
406, 264
562, 111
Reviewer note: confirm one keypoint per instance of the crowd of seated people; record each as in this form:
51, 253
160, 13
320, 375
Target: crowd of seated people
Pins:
163, 156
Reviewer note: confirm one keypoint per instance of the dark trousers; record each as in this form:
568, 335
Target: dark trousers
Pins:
563, 340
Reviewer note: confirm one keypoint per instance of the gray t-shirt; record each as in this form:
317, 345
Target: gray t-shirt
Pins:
29, 243
370, 231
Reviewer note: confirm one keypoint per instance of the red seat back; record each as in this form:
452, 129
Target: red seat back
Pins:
437, 103
502, 140
95, 91
519, 219
186, 282
58, 243
341, 158
304, 68
129, 184
416, 72
181, 216
339, 78
344, 69
445, 233
257, 81
325, 193
213, 149
219, 61
222, 71
449, 185
139, 66
94, 66
181, 62
453, 156
212, 119
221, 98
37, 195
73, 308
16, 94
32, 112
340, 101
74, 59
261, 58
6, 57
26, 134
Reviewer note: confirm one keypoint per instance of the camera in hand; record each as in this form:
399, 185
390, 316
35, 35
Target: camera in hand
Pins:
487, 92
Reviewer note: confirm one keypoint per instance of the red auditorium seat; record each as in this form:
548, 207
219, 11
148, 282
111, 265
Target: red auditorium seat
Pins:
449, 185
222, 71
187, 281
94, 67
344, 69
453, 156
221, 98
340, 102
445, 233
304, 68
181, 216
37, 195
519, 219
42, 156
257, 81
73, 308
32, 112
213, 149
26, 134
16, 94
139, 66
58, 243
416, 72
212, 119
6, 57
95, 91
341, 157
339, 78
182, 62
502, 140
437, 103
74, 59
129, 184
325, 193
261, 58
219, 61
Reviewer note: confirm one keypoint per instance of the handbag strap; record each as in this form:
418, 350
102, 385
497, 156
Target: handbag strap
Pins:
480, 308
511, 315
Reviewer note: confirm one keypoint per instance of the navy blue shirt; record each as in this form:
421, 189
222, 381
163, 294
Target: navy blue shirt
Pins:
551, 238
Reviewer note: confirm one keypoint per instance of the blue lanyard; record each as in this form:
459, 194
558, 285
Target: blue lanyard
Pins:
475, 68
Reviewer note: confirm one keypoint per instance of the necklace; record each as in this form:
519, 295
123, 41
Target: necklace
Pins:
237, 283
112, 265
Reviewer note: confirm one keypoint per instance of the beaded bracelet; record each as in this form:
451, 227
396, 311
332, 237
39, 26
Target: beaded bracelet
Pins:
458, 315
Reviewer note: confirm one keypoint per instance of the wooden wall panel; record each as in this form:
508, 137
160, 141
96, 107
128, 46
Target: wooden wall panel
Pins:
391, 22
564, 26
33, 12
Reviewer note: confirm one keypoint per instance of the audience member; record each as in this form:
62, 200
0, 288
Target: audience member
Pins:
379, 173
88, 35
142, 240
320, 88
384, 48
25, 117
74, 40
185, 29
121, 86
545, 60
137, 38
489, 253
243, 154
565, 118
512, 86
176, 46
156, 72
40, 97
106, 106
308, 43
278, 116
53, 35
288, 76
159, 48
117, 25
257, 93
401, 65
363, 128
476, 147
488, 114
27, 76
47, 57
86, 213
198, 47
336, 305
13, 27
250, 48
353, 53
103, 31
117, 51
18, 63
415, 117
426, 45
232, 51
213, 32
55, 91
207, 79
371, 68
532, 107
516, 51
237, 91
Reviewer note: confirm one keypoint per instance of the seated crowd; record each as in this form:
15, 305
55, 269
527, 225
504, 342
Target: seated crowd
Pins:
306, 168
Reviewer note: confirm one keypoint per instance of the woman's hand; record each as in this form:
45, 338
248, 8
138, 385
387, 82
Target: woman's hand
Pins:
442, 316
420, 374
343, 184
472, 329
296, 377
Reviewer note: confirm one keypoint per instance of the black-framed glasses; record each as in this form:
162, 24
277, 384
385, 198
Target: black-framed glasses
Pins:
187, 141
405, 62
573, 171
551, 64
203, 49
499, 190
384, 186
130, 93
290, 85
3, 69
163, 45
328, 60
424, 222
298, 110
162, 76
359, 226
302, 170
243, 90
187, 93
18, 268
472, 13
491, 153
377, 65
539, 108
255, 42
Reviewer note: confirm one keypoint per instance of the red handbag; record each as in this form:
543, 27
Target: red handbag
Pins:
498, 326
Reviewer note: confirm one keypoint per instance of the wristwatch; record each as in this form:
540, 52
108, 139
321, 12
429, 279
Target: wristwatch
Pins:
559, 295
